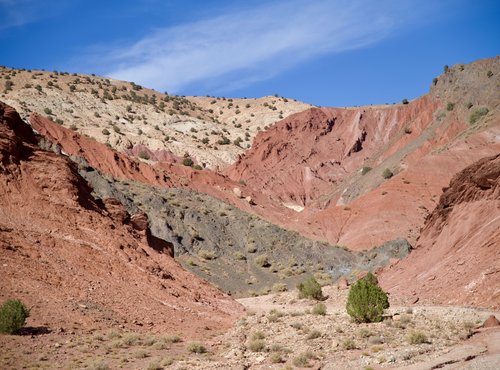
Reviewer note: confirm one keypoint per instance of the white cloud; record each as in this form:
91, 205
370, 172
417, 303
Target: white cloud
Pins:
239, 48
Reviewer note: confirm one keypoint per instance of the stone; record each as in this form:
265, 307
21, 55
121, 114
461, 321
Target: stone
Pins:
491, 322
237, 192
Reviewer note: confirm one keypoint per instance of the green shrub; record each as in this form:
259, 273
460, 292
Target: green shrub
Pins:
310, 288
387, 174
489, 74
319, 309
187, 162
366, 301
105, 131
450, 107
404, 101
47, 111
144, 155
477, 114
13, 314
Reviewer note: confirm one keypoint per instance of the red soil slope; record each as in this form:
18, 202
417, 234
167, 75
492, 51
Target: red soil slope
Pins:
164, 173
457, 259
80, 264
314, 159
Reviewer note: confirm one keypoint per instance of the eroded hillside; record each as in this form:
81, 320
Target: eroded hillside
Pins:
74, 259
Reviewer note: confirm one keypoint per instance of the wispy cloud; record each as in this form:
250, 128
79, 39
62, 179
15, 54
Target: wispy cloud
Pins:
17, 13
240, 47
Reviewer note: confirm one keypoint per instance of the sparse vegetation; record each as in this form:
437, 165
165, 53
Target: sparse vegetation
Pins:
13, 315
196, 347
187, 162
477, 114
262, 261
450, 106
417, 337
365, 170
310, 288
206, 254
319, 309
257, 345
366, 301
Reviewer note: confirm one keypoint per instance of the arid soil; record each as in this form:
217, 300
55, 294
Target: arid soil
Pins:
280, 332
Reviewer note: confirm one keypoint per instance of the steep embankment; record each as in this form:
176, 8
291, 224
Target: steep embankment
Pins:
457, 258
83, 264
328, 164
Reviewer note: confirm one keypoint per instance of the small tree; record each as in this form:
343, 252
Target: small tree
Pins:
13, 314
310, 288
366, 301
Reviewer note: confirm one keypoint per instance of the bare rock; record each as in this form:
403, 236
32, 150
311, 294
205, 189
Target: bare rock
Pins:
491, 322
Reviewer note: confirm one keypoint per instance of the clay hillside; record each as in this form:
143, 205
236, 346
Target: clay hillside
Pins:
148, 231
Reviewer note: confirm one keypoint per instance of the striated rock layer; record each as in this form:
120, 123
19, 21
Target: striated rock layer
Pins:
82, 264
457, 258
327, 164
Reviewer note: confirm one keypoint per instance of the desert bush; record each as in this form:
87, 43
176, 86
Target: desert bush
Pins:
206, 254
196, 347
187, 162
258, 335
314, 334
13, 314
435, 80
105, 131
319, 309
279, 287
417, 337
276, 358
302, 360
262, 261
47, 111
404, 101
387, 174
365, 170
366, 301
477, 114
257, 345
310, 288
489, 74
144, 155
348, 344
450, 106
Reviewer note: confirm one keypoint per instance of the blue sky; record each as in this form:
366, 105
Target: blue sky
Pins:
329, 53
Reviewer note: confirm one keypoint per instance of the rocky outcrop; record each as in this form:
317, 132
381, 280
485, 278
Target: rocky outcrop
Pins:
328, 163
85, 263
457, 259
